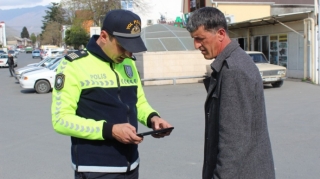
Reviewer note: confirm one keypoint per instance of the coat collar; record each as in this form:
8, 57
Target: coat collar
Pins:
218, 62
96, 50
216, 66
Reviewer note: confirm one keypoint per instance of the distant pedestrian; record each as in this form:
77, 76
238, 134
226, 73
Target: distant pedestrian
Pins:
10, 63
237, 143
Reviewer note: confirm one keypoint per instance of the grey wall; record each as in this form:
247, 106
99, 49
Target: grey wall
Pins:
295, 55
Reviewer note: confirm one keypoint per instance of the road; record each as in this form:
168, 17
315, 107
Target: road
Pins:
29, 148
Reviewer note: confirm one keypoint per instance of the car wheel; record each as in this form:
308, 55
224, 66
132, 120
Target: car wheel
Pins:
42, 86
277, 84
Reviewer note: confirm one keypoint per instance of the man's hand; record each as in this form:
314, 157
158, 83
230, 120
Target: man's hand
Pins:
126, 133
159, 123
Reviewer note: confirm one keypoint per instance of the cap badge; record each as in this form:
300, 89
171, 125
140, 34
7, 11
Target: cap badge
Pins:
134, 26
135, 29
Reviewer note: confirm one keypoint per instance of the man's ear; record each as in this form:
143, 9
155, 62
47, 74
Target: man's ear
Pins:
221, 34
104, 36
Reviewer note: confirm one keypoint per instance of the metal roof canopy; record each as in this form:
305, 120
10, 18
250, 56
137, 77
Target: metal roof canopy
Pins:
270, 20
164, 37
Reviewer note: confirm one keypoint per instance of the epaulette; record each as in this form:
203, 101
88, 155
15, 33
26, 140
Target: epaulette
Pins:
76, 55
133, 58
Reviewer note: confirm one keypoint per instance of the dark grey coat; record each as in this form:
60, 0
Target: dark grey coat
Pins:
237, 144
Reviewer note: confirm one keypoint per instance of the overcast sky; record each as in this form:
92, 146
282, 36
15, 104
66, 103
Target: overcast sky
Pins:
12, 4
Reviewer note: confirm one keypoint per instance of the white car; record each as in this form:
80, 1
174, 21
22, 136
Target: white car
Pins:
56, 53
35, 66
41, 80
45, 62
270, 74
4, 59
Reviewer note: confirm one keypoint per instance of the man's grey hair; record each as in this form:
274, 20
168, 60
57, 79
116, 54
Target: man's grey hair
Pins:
211, 18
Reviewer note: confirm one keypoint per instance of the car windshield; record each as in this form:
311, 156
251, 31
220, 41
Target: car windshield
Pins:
54, 65
49, 62
4, 56
11, 51
258, 58
43, 61
36, 51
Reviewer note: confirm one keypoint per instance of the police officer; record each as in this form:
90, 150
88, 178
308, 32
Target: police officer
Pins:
98, 100
10, 63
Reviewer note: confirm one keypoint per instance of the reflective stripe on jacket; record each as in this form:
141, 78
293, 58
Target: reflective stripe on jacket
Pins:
95, 92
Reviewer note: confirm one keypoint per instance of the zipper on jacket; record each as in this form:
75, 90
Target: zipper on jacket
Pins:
119, 90
112, 65
128, 109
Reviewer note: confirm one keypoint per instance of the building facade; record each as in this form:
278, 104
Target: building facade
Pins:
3, 38
284, 30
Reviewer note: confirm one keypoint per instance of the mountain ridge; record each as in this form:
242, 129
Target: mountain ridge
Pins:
16, 19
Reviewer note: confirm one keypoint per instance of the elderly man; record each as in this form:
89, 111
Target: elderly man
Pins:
237, 143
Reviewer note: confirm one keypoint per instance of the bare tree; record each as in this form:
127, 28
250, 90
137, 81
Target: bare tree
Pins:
143, 6
98, 7
52, 34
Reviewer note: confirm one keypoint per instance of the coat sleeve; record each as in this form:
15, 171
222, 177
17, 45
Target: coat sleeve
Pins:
235, 122
143, 106
64, 106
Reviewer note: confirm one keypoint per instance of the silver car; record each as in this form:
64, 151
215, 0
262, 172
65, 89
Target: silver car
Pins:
270, 74
36, 66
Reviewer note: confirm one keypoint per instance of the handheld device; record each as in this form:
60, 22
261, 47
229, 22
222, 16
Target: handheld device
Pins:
156, 131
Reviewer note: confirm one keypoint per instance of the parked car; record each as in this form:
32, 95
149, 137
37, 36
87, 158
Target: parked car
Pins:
71, 51
13, 53
43, 54
270, 74
16, 51
41, 80
2, 52
28, 49
36, 54
56, 53
45, 63
4, 59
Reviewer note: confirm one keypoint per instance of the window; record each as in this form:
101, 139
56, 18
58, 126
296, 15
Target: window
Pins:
279, 49
283, 48
196, 4
257, 44
127, 5
261, 44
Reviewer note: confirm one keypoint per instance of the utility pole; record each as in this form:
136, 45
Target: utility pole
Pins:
316, 14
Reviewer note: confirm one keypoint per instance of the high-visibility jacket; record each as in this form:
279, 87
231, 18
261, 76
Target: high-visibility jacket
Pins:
90, 95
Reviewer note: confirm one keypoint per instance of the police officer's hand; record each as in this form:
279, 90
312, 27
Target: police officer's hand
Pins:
126, 133
159, 123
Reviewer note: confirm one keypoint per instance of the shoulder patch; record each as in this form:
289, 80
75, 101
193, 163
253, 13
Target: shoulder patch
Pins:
128, 70
76, 55
59, 82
